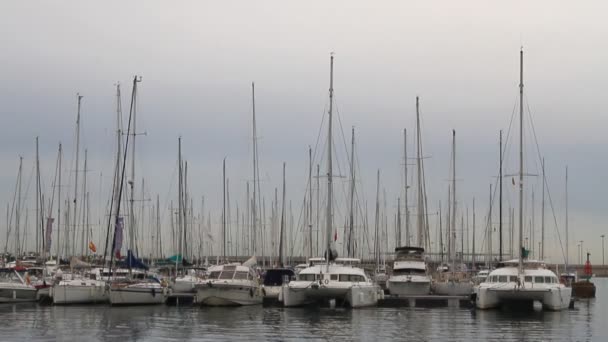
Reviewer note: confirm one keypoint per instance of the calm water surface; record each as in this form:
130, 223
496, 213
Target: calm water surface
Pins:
30, 322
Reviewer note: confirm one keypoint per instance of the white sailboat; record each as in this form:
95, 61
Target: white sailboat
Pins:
336, 279
522, 280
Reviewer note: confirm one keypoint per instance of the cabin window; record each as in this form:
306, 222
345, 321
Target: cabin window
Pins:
227, 274
548, 280
241, 275
307, 277
334, 277
528, 279
214, 275
513, 279
539, 280
502, 279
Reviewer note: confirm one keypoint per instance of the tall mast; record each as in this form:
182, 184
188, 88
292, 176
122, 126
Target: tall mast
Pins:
39, 229
567, 259
79, 97
59, 204
473, 251
453, 216
180, 217
310, 202
542, 217
407, 212
420, 210
377, 224
349, 246
224, 209
185, 210
255, 172
18, 210
500, 202
282, 232
521, 157
83, 248
329, 160
132, 182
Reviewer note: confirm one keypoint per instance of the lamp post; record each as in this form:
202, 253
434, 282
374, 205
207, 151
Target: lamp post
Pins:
581, 251
578, 252
602, 236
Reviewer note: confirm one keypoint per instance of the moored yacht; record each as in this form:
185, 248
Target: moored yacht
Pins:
230, 285
521, 280
340, 280
514, 285
87, 288
410, 277
15, 286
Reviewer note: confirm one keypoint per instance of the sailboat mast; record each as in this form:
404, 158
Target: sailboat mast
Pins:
38, 216
350, 246
282, 232
500, 201
59, 203
521, 157
542, 216
79, 97
224, 209
255, 173
453, 216
377, 224
420, 210
310, 202
407, 212
329, 160
567, 259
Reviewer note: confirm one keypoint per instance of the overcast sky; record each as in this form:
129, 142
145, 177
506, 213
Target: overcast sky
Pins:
198, 60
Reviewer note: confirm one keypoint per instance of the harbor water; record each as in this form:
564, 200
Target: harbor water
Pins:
33, 322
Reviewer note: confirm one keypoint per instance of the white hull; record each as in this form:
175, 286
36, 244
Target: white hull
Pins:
296, 294
76, 294
556, 298
136, 296
409, 286
226, 295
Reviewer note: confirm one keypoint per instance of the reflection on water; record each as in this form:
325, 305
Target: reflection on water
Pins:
160, 323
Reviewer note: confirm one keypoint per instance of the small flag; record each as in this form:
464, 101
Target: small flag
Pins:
513, 180
92, 247
336, 236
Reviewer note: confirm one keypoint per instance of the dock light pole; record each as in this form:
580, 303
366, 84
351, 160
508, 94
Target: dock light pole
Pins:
578, 252
581, 251
602, 236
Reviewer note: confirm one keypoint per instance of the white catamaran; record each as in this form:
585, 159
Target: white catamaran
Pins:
522, 280
336, 280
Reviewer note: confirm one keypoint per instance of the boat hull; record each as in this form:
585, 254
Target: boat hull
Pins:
555, 299
228, 296
137, 296
354, 296
79, 294
414, 286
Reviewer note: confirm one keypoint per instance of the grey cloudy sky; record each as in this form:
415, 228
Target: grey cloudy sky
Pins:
198, 59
